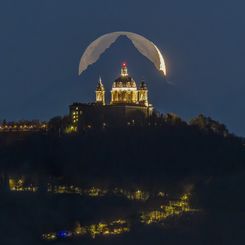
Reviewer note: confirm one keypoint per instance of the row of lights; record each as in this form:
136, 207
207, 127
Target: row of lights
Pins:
23, 127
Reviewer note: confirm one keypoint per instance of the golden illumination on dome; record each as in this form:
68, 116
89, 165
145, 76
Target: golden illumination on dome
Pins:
124, 89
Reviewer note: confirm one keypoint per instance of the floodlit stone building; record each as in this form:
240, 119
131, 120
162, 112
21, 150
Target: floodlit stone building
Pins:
129, 105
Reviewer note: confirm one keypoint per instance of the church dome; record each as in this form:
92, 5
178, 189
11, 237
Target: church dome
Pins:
124, 81
124, 89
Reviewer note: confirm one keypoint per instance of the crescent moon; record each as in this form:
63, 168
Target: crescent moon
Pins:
142, 44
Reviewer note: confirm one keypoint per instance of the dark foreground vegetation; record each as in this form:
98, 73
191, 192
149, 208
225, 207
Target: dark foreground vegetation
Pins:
128, 154
170, 155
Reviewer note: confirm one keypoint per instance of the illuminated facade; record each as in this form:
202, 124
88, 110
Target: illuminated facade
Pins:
128, 105
124, 89
23, 126
100, 93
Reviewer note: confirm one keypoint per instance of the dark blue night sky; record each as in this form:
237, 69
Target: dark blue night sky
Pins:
41, 43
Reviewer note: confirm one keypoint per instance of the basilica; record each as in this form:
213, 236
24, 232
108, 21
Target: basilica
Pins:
128, 105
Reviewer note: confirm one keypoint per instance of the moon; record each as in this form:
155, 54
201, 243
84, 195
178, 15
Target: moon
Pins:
142, 44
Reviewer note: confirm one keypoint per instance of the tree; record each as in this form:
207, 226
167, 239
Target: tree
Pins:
208, 124
55, 124
173, 119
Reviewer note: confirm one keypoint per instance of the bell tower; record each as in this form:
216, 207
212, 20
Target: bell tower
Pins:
100, 93
143, 94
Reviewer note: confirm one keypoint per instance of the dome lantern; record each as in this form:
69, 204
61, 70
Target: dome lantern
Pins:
124, 70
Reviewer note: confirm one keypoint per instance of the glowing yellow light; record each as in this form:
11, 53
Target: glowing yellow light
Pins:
172, 208
19, 184
49, 236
